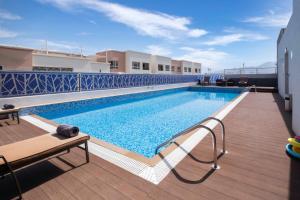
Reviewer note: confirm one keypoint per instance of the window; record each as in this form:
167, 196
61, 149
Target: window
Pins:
145, 66
66, 69
167, 67
199, 70
196, 70
114, 64
173, 68
135, 65
190, 69
52, 69
185, 69
178, 69
1, 67
160, 68
39, 68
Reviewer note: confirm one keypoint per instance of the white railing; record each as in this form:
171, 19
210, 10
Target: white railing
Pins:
267, 70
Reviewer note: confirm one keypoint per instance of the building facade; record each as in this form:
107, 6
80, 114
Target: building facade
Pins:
63, 62
133, 62
25, 59
176, 66
15, 58
160, 64
137, 62
116, 60
288, 64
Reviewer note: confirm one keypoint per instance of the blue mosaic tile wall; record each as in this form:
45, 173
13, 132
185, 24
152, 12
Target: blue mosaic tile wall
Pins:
36, 83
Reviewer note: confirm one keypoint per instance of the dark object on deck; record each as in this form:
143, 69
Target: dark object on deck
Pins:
206, 80
244, 82
230, 82
67, 131
8, 106
20, 154
220, 82
199, 82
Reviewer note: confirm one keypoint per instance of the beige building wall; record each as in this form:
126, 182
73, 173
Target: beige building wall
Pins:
112, 55
15, 58
187, 67
176, 65
160, 60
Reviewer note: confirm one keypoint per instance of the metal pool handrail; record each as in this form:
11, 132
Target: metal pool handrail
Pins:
200, 125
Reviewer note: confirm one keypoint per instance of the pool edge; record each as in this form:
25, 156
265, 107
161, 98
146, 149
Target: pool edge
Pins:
153, 172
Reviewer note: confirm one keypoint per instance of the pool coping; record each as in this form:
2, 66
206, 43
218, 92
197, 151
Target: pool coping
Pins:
153, 169
60, 98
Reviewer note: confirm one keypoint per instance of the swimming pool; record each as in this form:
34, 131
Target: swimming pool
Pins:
139, 122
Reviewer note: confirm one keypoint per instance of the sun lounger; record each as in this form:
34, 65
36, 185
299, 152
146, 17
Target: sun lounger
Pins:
14, 113
206, 80
23, 153
243, 81
220, 82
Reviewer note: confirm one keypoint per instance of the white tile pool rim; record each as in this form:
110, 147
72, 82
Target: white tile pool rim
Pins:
154, 174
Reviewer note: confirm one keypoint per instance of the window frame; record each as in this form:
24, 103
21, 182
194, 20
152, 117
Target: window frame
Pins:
167, 68
148, 66
160, 67
137, 66
114, 64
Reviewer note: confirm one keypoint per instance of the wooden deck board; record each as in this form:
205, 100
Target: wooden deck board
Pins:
256, 167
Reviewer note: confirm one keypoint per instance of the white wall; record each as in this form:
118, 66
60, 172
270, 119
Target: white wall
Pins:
132, 56
77, 63
198, 66
291, 41
162, 60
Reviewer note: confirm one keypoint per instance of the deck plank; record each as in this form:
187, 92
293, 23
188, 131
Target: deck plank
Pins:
256, 167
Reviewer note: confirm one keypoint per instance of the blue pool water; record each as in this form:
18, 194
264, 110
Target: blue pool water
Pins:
140, 123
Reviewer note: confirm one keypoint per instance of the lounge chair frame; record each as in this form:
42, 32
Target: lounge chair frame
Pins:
206, 80
13, 112
11, 169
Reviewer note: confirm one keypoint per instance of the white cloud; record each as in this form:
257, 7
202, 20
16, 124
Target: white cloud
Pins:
271, 19
8, 16
92, 22
158, 50
235, 37
208, 57
149, 23
197, 33
225, 39
55, 45
83, 33
7, 33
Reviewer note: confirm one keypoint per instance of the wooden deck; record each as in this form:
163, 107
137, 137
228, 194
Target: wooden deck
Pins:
256, 167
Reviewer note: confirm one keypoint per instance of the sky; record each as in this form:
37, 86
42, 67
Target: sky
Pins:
218, 33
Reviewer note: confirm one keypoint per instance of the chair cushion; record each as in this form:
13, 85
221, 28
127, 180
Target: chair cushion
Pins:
40, 146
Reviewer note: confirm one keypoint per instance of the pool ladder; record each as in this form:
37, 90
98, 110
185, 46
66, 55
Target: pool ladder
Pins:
200, 125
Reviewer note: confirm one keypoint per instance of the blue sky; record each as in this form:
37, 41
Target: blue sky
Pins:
220, 34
